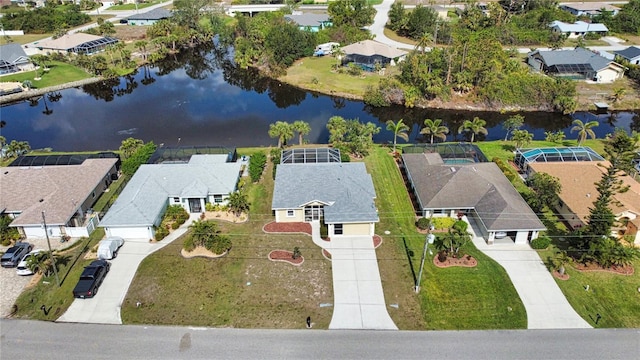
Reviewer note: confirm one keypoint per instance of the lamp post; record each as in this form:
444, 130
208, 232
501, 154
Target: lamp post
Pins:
429, 239
46, 233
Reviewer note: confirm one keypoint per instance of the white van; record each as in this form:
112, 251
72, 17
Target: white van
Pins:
108, 248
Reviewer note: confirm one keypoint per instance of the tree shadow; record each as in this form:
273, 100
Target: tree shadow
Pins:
508, 147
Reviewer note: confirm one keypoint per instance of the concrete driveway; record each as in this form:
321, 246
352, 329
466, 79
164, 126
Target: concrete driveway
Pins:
357, 289
546, 305
104, 307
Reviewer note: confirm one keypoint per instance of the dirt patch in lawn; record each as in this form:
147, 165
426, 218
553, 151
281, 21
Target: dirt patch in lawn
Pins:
201, 251
465, 261
225, 216
620, 270
128, 33
293, 227
286, 256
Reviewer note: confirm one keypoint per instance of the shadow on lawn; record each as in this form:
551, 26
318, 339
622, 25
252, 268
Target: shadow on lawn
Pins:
410, 254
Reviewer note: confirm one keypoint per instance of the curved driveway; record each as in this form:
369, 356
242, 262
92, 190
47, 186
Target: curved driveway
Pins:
380, 20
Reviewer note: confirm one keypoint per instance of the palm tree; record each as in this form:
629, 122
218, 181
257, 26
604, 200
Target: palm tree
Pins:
238, 202
400, 129
584, 129
302, 128
522, 138
618, 94
435, 128
281, 130
475, 127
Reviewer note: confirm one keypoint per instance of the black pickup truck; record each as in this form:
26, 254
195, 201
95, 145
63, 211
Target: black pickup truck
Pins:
91, 278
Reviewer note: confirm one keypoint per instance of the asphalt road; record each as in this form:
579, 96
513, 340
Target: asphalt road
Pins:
23, 339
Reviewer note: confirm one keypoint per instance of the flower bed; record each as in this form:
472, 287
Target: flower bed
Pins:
292, 227
465, 261
286, 256
621, 270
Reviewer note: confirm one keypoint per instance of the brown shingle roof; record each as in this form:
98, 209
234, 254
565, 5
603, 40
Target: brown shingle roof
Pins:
62, 190
579, 190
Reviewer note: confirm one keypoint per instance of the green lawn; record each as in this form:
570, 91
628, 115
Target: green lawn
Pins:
453, 298
23, 39
59, 73
315, 73
70, 265
243, 289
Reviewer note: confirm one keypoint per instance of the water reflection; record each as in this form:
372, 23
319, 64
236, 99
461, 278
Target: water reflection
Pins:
200, 97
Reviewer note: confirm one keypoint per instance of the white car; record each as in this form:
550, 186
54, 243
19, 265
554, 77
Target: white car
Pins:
22, 268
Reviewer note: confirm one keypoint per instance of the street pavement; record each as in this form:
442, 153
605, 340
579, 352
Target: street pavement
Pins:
358, 299
546, 305
25, 339
104, 307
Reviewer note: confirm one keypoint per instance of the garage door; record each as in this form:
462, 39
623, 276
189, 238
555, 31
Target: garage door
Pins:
130, 233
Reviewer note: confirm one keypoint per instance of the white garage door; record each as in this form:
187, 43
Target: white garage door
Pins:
130, 233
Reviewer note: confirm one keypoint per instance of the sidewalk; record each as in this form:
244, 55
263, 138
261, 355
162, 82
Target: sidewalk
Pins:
546, 306
104, 307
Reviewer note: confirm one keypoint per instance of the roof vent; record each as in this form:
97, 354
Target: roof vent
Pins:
41, 200
6, 172
453, 169
588, 195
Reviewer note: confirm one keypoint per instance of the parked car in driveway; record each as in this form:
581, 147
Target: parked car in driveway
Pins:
14, 254
108, 248
91, 279
23, 267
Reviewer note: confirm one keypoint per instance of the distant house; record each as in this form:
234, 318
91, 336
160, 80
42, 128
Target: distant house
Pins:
631, 54
77, 43
578, 63
310, 22
149, 17
313, 185
478, 190
14, 59
577, 29
578, 180
140, 207
589, 9
368, 53
64, 187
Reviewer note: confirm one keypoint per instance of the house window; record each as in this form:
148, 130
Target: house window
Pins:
93, 195
217, 199
337, 229
290, 213
176, 199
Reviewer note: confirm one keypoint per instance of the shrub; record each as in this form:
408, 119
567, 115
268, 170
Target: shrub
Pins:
175, 225
209, 207
161, 233
257, 163
423, 223
540, 243
6, 242
442, 222
460, 226
276, 155
141, 156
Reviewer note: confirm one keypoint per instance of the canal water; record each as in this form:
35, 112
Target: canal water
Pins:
200, 98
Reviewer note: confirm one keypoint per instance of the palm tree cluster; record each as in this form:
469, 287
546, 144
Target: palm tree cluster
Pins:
284, 131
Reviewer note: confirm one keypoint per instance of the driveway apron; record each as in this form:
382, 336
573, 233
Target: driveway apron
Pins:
546, 305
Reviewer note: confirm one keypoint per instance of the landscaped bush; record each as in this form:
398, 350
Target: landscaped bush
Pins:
141, 156
442, 223
175, 225
276, 156
460, 225
423, 223
257, 163
206, 234
161, 233
540, 243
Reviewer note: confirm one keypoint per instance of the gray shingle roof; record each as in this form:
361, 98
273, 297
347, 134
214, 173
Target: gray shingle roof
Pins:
145, 196
13, 54
575, 56
155, 14
481, 186
629, 53
346, 188
308, 19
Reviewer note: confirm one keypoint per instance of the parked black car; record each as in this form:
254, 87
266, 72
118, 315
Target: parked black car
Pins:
15, 253
91, 278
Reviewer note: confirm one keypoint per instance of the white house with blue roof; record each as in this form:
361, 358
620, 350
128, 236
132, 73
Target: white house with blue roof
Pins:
340, 194
141, 205
578, 63
631, 54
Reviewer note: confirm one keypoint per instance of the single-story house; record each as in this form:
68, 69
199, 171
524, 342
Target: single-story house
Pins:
77, 43
578, 63
368, 53
577, 29
310, 22
589, 9
339, 194
63, 187
479, 190
141, 205
14, 59
578, 180
631, 54
149, 17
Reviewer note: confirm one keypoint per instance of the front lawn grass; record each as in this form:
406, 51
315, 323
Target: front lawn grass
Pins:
316, 74
243, 289
46, 292
59, 73
453, 298
23, 39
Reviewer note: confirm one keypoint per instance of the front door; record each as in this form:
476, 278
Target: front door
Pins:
312, 213
195, 206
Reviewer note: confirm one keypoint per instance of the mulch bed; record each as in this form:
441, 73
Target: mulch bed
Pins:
465, 261
377, 240
293, 227
620, 270
326, 254
559, 276
286, 256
